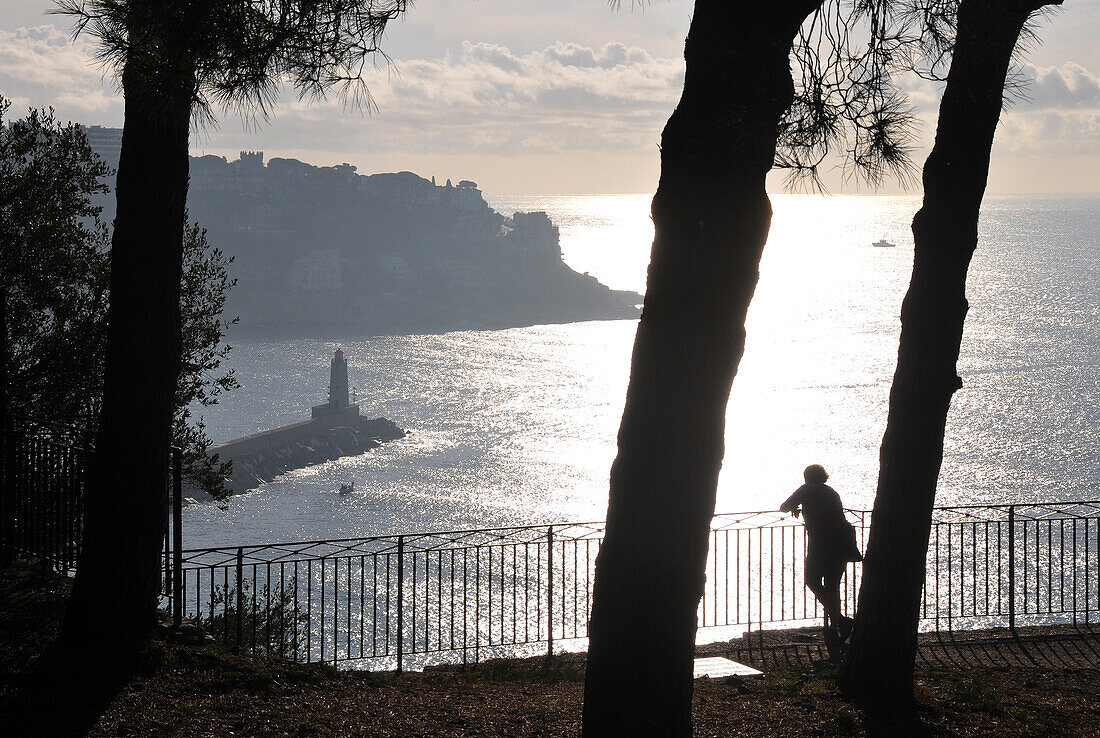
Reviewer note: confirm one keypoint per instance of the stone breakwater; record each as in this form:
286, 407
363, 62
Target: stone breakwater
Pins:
262, 457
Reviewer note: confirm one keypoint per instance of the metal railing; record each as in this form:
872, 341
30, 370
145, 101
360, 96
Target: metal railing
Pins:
42, 487
43, 481
1013, 565
419, 598
411, 599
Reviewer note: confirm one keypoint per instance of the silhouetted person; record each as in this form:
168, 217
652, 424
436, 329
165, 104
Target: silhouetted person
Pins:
832, 544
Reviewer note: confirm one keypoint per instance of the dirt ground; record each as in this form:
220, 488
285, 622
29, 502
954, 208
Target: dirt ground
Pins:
1050, 685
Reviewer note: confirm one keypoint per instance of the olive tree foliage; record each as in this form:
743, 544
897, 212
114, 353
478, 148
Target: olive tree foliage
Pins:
203, 291
55, 267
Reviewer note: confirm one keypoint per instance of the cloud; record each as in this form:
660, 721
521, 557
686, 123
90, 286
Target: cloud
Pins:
1050, 133
608, 56
1069, 86
560, 78
487, 99
1057, 113
43, 66
1050, 112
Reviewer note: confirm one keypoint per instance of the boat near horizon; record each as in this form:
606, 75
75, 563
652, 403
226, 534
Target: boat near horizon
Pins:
883, 244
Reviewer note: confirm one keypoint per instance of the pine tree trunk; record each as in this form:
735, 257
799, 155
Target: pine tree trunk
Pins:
113, 604
879, 666
711, 216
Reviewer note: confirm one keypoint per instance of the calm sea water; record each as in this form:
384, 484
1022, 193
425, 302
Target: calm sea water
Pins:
518, 426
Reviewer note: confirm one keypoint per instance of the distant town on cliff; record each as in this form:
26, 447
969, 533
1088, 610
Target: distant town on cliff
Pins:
324, 251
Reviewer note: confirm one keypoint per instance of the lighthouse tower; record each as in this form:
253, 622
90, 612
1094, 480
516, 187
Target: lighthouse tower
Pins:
338, 382
337, 404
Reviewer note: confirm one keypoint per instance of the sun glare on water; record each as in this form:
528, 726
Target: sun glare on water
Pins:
519, 425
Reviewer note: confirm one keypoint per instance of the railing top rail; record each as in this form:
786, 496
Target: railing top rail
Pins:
1006, 505
351, 541
560, 528
1021, 511
520, 534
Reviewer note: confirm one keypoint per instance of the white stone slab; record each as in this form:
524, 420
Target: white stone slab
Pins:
716, 666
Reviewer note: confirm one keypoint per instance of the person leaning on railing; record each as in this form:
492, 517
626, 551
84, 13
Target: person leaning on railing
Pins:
832, 544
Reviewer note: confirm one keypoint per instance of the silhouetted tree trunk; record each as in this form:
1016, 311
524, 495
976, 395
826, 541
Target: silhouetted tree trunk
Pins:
711, 215
114, 595
879, 666
175, 55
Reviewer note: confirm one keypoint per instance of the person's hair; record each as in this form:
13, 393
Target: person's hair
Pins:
815, 473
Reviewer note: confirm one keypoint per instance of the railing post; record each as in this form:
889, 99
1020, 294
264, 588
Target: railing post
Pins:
240, 597
177, 538
1012, 569
6, 511
400, 601
166, 537
549, 591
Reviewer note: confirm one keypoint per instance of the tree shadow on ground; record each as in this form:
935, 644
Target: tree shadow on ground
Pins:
45, 690
63, 697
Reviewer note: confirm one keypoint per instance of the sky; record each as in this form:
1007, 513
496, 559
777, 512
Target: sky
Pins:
530, 97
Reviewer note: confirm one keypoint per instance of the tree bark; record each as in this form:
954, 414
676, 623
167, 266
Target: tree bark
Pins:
711, 216
879, 666
113, 604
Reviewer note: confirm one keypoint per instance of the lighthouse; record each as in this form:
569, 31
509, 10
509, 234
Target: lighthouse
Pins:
337, 404
338, 382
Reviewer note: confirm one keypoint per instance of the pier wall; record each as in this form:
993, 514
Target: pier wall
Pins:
261, 457
287, 435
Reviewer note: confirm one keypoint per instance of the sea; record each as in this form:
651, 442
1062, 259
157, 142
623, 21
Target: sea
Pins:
518, 426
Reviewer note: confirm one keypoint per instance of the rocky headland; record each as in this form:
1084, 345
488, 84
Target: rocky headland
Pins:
325, 252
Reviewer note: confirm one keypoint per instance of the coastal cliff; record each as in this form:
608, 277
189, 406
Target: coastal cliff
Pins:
325, 252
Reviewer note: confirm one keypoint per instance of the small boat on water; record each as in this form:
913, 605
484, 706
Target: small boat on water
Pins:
883, 244
347, 488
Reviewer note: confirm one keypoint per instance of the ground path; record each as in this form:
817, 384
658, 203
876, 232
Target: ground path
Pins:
1045, 683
